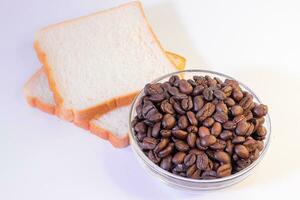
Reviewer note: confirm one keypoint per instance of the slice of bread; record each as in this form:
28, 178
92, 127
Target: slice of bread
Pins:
112, 126
97, 63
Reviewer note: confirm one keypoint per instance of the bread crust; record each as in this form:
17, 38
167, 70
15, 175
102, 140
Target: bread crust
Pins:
79, 116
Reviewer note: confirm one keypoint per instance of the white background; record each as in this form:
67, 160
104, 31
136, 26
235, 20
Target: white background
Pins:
42, 157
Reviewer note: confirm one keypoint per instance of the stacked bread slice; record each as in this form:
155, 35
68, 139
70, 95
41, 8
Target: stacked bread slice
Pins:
94, 65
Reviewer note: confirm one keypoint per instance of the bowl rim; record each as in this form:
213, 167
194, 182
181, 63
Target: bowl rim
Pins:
163, 172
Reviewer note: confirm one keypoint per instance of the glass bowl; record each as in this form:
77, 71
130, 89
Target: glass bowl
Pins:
187, 183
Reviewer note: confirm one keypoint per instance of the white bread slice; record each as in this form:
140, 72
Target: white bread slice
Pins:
112, 126
97, 63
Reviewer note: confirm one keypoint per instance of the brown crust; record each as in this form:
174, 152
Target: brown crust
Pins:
83, 115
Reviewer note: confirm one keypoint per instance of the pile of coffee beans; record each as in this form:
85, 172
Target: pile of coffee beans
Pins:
200, 128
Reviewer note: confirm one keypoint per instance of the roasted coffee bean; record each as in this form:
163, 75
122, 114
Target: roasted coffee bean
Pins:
191, 140
191, 170
220, 117
198, 90
241, 151
156, 129
229, 102
238, 140
218, 145
203, 131
187, 104
208, 94
229, 125
216, 129
198, 103
140, 127
168, 121
237, 94
178, 108
166, 163
181, 146
229, 147
180, 134
224, 170
192, 118
227, 90
166, 151
242, 128
161, 145
221, 107
202, 161
178, 158
183, 122
246, 102
149, 143
189, 159
208, 122
185, 87
165, 133
209, 174
206, 111
153, 157
192, 129
166, 107
222, 157
208, 140
219, 94
236, 110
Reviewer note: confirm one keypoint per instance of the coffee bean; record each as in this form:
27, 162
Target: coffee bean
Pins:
209, 174
192, 129
222, 157
161, 145
191, 139
192, 118
165, 133
192, 82
229, 102
168, 121
238, 140
180, 134
250, 130
226, 135
198, 103
229, 125
246, 102
155, 130
219, 94
224, 170
251, 144
216, 129
198, 90
261, 131
200, 80
238, 119
248, 115
227, 90
196, 174
206, 111
178, 158
196, 152
254, 155
149, 131
208, 94
199, 146
208, 140
166, 163
185, 87
202, 161
260, 145
191, 170
260, 110
236, 110
166, 107
152, 89
237, 94
242, 164
153, 115
208, 122
218, 145
220, 117
241, 151
180, 168
203, 131
149, 143
221, 107
166, 151
140, 136
153, 157
242, 128
189, 159
157, 97
229, 147
173, 79
140, 127
173, 91
178, 108
181, 146
187, 104
183, 122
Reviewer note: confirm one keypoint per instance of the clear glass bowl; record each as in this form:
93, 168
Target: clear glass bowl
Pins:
187, 183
